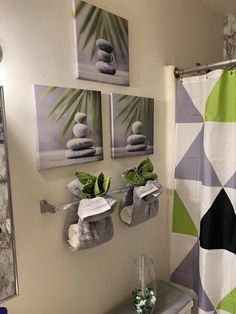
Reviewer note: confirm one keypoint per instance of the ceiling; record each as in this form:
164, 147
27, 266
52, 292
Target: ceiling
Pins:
224, 7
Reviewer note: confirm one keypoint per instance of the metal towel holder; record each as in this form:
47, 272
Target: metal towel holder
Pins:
46, 207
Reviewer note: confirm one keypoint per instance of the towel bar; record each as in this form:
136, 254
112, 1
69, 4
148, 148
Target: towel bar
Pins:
46, 207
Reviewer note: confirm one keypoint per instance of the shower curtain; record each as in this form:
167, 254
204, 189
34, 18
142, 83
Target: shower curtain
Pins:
203, 249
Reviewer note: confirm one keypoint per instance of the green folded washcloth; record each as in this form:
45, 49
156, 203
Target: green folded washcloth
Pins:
93, 186
141, 174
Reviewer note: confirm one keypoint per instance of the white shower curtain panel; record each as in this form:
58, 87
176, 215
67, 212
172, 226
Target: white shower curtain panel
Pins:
203, 251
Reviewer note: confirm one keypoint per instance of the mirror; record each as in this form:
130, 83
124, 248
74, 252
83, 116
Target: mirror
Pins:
8, 270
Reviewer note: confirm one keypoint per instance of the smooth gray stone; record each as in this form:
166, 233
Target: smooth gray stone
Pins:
136, 148
79, 143
87, 152
106, 68
80, 117
136, 139
137, 127
104, 56
104, 45
80, 130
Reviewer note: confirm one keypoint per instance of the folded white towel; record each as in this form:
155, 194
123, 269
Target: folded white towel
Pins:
92, 207
73, 235
151, 188
110, 201
147, 189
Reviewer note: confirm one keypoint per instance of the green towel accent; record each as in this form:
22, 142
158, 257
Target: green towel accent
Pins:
221, 103
182, 221
139, 175
228, 304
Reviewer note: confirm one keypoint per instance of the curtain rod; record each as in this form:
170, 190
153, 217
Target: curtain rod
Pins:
178, 72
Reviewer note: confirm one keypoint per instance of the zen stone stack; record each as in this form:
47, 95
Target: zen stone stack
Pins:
136, 141
81, 145
105, 57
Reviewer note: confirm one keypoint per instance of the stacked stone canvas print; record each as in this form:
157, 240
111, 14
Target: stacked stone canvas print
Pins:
131, 125
102, 45
69, 125
105, 62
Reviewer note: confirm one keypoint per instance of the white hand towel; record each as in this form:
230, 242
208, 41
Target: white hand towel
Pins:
93, 207
73, 235
142, 191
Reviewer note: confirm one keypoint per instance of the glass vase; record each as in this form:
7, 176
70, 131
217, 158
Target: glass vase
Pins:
144, 293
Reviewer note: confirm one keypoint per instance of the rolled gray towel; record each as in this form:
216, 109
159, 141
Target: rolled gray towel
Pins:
90, 233
71, 218
75, 187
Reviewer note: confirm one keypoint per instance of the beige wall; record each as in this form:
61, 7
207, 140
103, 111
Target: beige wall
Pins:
37, 39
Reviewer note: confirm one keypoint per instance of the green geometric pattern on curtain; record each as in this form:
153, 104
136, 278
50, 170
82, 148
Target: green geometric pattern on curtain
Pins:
182, 221
203, 252
228, 303
220, 104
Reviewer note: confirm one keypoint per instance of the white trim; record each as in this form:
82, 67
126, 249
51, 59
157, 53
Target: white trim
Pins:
170, 139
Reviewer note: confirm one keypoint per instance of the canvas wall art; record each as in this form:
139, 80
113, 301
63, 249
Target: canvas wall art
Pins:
131, 125
69, 125
1, 127
8, 267
102, 45
230, 36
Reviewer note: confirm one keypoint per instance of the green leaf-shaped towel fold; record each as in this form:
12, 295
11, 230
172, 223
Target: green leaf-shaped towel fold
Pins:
98, 189
106, 185
88, 188
149, 175
145, 166
138, 176
101, 185
93, 186
132, 176
84, 177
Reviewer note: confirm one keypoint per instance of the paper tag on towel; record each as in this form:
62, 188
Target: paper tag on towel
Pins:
92, 206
